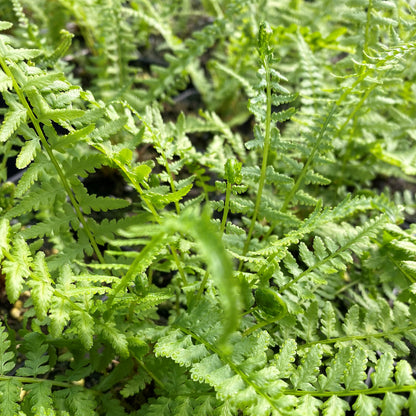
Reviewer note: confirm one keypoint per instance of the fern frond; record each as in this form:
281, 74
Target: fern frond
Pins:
361, 329
36, 357
89, 202
292, 292
236, 377
41, 284
11, 122
228, 374
112, 57
136, 384
10, 396
78, 400
379, 16
170, 80
116, 338
38, 198
83, 324
40, 397
17, 268
337, 257
261, 107
6, 357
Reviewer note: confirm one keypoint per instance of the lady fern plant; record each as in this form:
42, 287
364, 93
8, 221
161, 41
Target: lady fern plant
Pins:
245, 263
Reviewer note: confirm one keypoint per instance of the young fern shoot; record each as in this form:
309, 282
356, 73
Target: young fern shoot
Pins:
269, 93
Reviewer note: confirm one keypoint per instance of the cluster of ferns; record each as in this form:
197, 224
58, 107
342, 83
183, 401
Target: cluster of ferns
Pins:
207, 208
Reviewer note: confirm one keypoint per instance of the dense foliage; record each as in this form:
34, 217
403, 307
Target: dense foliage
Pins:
206, 207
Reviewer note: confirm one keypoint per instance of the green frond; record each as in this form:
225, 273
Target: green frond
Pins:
116, 338
306, 374
39, 197
16, 267
52, 226
10, 396
41, 285
89, 202
5, 25
235, 377
332, 256
83, 324
233, 381
353, 379
59, 314
6, 363
39, 395
28, 153
13, 119
241, 258
78, 400
36, 362
137, 383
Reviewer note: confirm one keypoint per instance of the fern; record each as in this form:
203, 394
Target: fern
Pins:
259, 392
181, 64
240, 257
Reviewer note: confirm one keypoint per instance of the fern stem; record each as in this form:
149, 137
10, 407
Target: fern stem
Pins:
31, 380
54, 161
384, 334
266, 147
157, 218
259, 325
301, 177
226, 207
345, 393
178, 265
352, 114
74, 305
357, 107
304, 171
133, 269
222, 228
201, 289
152, 375
148, 203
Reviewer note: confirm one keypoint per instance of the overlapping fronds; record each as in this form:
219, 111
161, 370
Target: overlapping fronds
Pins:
206, 208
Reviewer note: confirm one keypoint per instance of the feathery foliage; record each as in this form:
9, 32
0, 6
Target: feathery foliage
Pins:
207, 208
